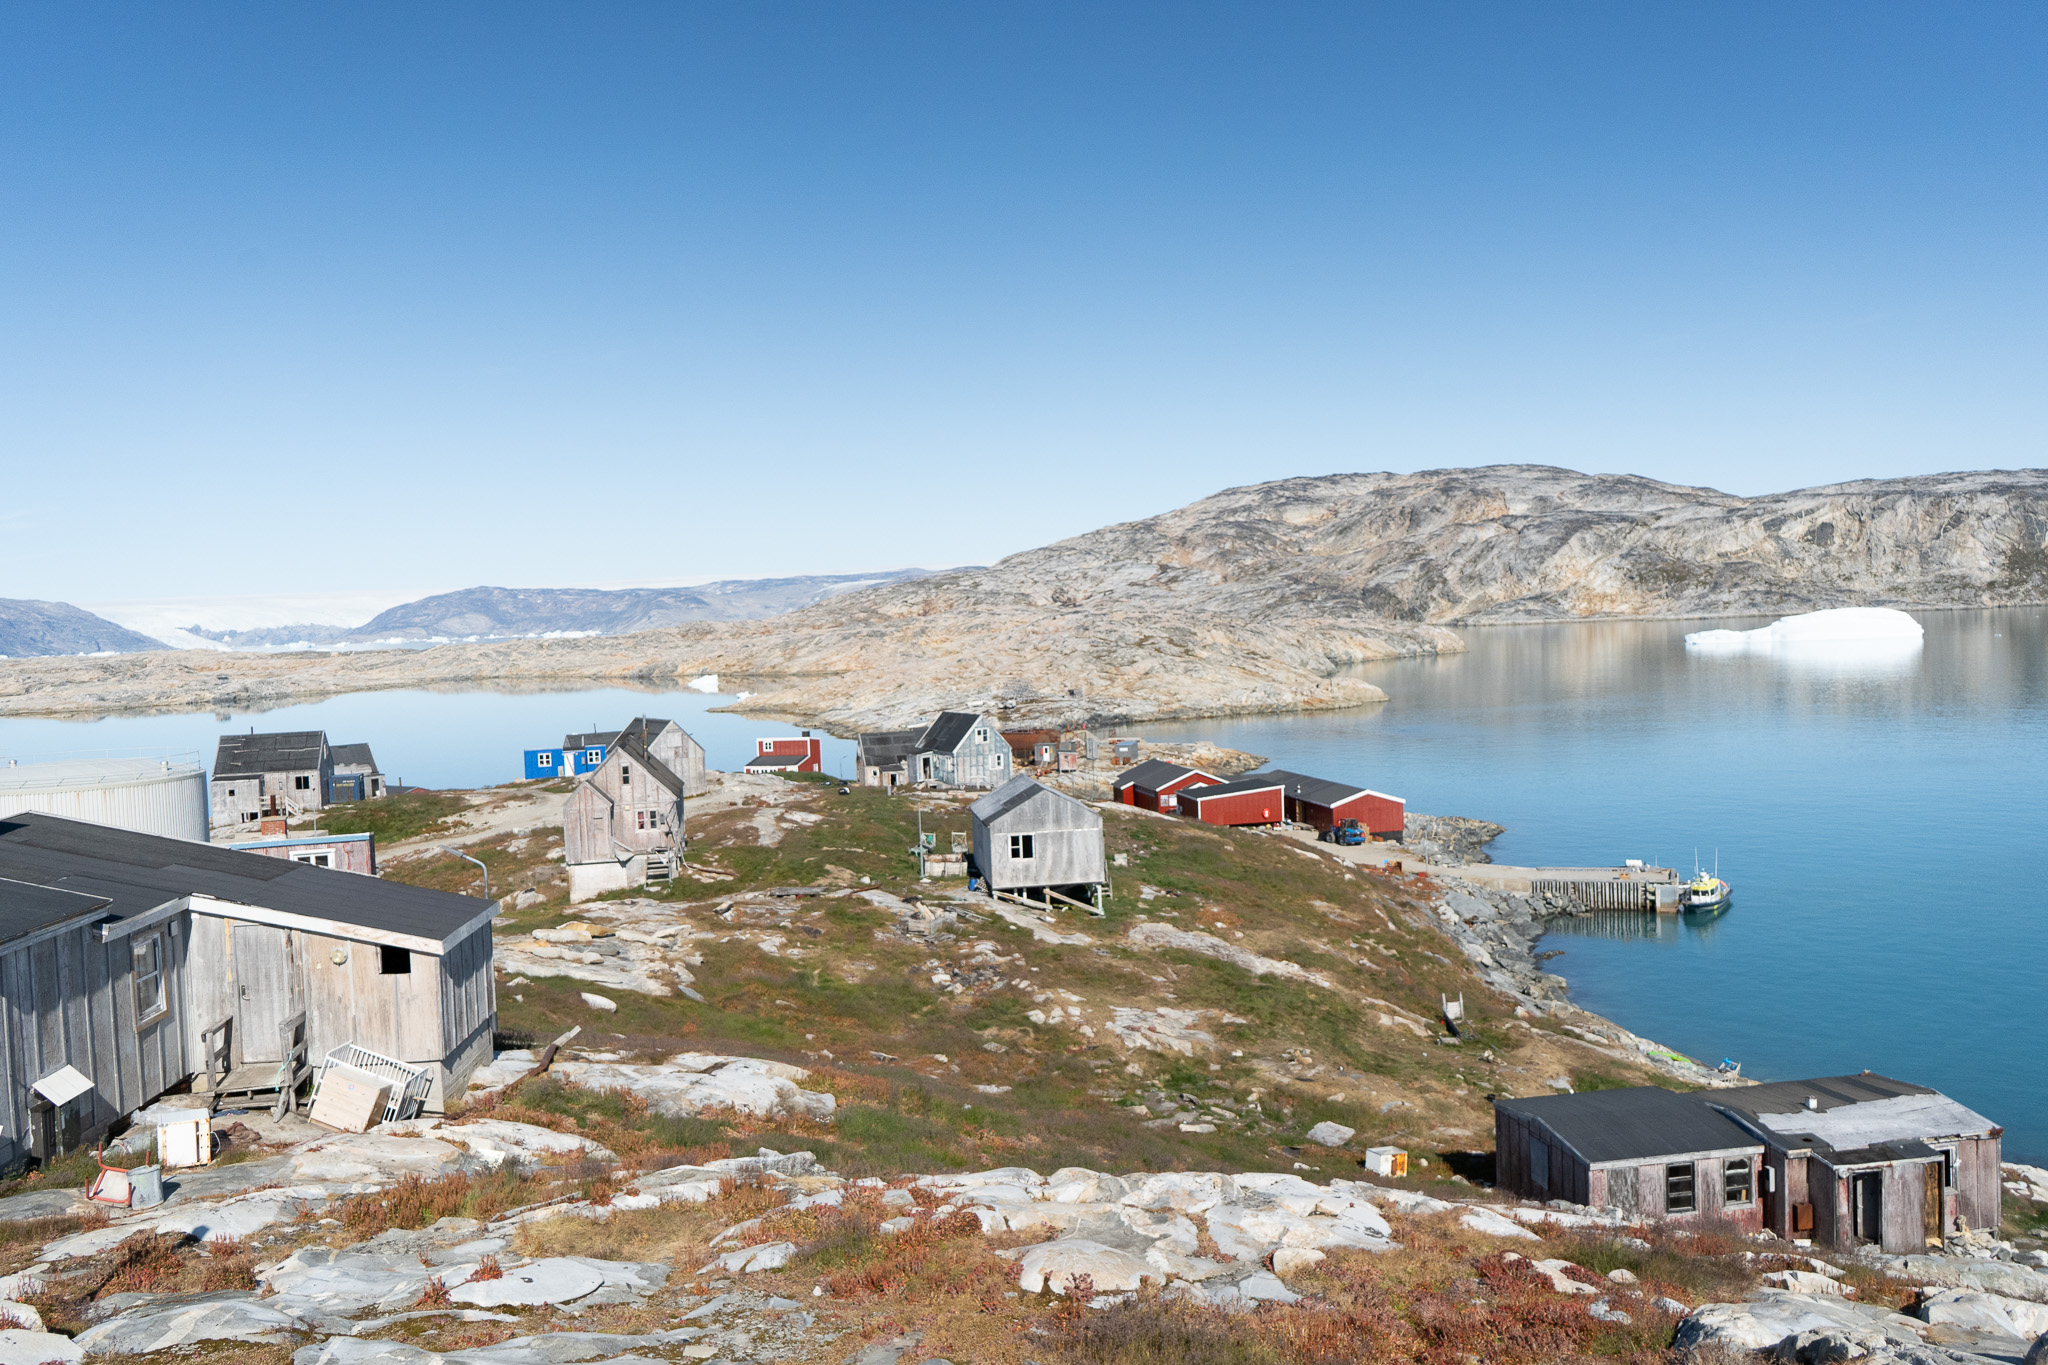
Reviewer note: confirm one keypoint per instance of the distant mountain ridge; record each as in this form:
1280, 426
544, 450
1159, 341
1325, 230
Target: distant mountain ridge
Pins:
30, 629
488, 613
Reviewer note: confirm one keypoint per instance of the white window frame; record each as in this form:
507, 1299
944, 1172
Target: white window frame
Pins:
544, 760
149, 1008
1022, 848
1747, 1167
593, 755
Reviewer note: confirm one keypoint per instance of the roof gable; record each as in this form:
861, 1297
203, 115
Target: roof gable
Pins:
1152, 774
946, 734
1024, 801
1238, 787
630, 747
1319, 791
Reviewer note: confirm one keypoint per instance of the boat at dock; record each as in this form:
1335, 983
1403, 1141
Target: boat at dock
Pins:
1705, 891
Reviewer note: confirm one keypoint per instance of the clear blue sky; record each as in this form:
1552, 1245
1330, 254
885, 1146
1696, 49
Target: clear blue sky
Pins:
348, 296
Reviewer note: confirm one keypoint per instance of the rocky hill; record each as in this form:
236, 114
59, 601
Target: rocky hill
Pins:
29, 629
1256, 599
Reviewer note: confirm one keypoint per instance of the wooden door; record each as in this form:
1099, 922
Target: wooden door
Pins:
1866, 1190
1930, 1203
260, 957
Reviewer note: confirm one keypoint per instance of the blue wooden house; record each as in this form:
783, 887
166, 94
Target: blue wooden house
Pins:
568, 761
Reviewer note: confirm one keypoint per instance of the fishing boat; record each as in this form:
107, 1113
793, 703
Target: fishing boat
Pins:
1706, 890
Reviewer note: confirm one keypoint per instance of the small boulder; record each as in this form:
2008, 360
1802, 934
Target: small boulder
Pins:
1291, 1261
1806, 1282
19, 1346
1055, 1265
599, 1002
1622, 1275
1331, 1134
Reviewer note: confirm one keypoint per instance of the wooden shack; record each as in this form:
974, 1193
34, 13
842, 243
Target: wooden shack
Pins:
882, 757
1868, 1160
961, 749
1034, 843
1842, 1161
1650, 1152
125, 956
622, 826
676, 749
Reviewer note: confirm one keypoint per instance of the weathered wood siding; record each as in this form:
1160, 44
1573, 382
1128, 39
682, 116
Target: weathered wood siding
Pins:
980, 761
1978, 1192
1066, 844
618, 812
682, 755
66, 999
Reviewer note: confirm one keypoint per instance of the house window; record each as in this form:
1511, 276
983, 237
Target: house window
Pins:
312, 859
981, 736
1738, 1182
1539, 1165
149, 978
1678, 1190
1020, 846
231, 791
999, 760
593, 755
302, 783
544, 761
625, 774
640, 819
393, 961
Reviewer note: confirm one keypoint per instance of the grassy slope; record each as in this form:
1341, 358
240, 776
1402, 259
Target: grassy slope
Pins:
859, 989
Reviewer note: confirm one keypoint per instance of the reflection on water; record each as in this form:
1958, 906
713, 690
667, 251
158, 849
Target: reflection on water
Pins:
1879, 819
1634, 925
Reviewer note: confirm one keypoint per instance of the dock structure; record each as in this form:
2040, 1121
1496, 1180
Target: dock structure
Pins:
1609, 888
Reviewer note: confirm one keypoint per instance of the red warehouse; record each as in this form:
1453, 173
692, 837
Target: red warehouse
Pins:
1155, 783
1314, 801
1247, 801
789, 754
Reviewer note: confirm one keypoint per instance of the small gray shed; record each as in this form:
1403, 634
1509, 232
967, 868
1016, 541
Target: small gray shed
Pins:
1033, 842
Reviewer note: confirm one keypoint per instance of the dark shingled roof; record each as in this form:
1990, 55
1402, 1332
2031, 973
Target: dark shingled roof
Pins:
776, 762
1152, 774
255, 755
358, 754
1636, 1124
135, 873
1258, 782
883, 748
944, 735
25, 908
1830, 1092
1316, 791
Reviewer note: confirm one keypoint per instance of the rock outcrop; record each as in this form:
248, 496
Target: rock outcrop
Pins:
1257, 599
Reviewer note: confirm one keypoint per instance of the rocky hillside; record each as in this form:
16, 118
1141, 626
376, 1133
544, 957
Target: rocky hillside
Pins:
30, 629
1256, 599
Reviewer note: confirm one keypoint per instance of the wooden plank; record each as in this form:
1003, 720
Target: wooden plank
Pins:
49, 1013
115, 1096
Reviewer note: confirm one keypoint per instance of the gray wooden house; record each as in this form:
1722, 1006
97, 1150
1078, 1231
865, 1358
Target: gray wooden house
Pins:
675, 748
622, 826
356, 775
1842, 1161
254, 775
960, 749
1034, 843
882, 757
145, 962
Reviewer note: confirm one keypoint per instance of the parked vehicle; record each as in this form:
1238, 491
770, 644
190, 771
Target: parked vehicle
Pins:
1343, 832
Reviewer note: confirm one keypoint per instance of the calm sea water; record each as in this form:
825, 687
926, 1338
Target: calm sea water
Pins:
423, 738
1883, 821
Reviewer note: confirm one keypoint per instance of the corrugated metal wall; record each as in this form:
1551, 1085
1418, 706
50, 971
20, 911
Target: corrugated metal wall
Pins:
171, 803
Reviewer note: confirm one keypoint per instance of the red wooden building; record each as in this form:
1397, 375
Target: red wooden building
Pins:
1315, 801
788, 754
1155, 784
1246, 801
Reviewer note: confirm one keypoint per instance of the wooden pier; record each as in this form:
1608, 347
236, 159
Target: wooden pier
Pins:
1609, 888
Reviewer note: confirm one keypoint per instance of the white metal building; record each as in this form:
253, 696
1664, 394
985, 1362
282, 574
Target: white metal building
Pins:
165, 796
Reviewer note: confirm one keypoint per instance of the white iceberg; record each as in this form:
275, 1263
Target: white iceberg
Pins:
707, 683
1858, 626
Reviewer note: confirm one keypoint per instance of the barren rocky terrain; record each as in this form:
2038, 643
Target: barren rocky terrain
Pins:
1256, 599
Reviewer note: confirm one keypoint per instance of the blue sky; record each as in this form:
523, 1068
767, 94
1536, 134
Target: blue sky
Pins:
398, 297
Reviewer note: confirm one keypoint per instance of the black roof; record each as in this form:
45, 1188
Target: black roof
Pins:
135, 873
944, 735
775, 761
884, 747
26, 907
1829, 1092
1316, 791
353, 753
1636, 1124
1258, 782
255, 755
1152, 774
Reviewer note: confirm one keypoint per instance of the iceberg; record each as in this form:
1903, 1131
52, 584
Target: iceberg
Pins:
707, 683
1817, 630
